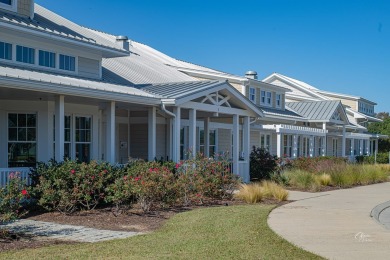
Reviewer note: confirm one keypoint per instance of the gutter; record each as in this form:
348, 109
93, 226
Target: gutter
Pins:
163, 108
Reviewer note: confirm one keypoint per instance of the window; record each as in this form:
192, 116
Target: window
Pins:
47, 59
287, 145
335, 147
22, 140
83, 138
25, 54
67, 63
212, 144
266, 98
5, 51
320, 145
278, 100
7, 2
67, 137
252, 95
265, 141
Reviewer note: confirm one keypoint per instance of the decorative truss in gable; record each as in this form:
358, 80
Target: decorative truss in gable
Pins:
216, 99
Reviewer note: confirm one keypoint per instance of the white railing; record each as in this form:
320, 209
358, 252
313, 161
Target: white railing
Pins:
5, 173
295, 129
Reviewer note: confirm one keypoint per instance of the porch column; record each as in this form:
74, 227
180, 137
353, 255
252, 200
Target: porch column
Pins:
246, 148
151, 133
279, 145
295, 146
371, 146
59, 128
176, 134
360, 147
325, 148
343, 141
110, 133
376, 149
353, 147
367, 147
311, 146
236, 144
192, 132
207, 137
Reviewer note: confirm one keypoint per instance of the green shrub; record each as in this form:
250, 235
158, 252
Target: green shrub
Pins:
381, 158
13, 199
262, 164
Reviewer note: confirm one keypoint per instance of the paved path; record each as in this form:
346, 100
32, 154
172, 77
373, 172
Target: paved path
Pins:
65, 232
336, 224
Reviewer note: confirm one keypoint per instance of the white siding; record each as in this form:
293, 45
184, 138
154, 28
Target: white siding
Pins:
89, 68
224, 141
139, 141
255, 137
161, 142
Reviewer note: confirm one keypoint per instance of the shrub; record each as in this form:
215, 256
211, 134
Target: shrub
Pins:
262, 164
301, 179
272, 190
381, 158
13, 199
69, 186
323, 179
250, 193
317, 164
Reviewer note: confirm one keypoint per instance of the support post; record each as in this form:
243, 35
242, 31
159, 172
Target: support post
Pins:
295, 146
325, 140
279, 145
246, 148
110, 132
343, 143
311, 146
59, 128
207, 137
152, 133
236, 144
176, 134
192, 132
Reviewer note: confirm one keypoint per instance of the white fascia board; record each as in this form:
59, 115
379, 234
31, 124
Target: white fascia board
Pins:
109, 51
218, 109
211, 75
258, 83
61, 89
345, 96
301, 98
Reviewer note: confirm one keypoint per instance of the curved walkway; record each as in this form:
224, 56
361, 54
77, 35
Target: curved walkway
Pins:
335, 224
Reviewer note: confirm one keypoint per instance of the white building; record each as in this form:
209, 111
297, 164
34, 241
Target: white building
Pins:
113, 99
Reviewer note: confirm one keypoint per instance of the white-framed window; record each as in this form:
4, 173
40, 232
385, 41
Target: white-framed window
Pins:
278, 100
252, 94
266, 98
5, 51
320, 145
335, 147
25, 54
265, 141
9, 5
83, 138
287, 145
22, 139
47, 59
67, 62
212, 144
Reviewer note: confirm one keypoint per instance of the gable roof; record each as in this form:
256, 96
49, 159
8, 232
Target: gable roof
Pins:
285, 114
47, 22
317, 110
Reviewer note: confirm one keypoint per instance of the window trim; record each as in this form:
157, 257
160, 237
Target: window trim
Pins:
280, 100
12, 56
12, 7
34, 63
252, 94
265, 103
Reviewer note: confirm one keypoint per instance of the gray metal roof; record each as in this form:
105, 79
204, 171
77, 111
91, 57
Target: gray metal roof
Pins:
38, 76
316, 110
51, 23
282, 113
180, 89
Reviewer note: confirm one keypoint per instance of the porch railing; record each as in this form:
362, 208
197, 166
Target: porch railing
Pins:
5, 173
295, 128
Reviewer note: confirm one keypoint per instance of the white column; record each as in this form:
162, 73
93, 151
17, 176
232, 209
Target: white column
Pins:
110, 132
343, 143
176, 134
151, 133
360, 147
3, 138
246, 132
59, 128
207, 137
236, 144
311, 146
192, 132
376, 149
325, 148
169, 138
353, 147
295, 146
279, 145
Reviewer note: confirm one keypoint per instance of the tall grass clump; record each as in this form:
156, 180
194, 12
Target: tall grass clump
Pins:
323, 179
272, 190
250, 193
301, 179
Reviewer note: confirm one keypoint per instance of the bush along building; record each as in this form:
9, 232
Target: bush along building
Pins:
67, 91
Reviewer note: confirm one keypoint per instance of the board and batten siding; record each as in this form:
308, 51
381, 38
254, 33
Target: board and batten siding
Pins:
161, 141
139, 141
224, 141
89, 68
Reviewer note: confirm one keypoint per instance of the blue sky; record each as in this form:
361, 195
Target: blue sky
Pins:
339, 46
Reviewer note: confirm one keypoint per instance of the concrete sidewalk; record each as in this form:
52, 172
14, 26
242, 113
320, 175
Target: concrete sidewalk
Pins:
335, 224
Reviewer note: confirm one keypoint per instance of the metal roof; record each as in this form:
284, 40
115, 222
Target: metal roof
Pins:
180, 89
51, 23
282, 113
316, 110
38, 76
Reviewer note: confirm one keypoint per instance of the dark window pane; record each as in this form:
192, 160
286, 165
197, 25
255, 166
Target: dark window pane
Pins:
22, 120
31, 134
67, 135
12, 120
83, 152
7, 2
22, 135
67, 121
21, 155
31, 120
12, 134
67, 150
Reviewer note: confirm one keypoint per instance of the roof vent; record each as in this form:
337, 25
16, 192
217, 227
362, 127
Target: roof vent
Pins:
124, 42
251, 74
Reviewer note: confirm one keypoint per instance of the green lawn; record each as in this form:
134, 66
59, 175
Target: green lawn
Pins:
233, 232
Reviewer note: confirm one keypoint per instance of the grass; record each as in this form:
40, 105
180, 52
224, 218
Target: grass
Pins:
274, 191
233, 232
250, 193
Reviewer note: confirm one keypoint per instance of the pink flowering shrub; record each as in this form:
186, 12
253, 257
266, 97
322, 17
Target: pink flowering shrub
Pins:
12, 199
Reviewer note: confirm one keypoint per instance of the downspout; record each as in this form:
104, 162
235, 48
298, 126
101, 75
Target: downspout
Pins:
167, 111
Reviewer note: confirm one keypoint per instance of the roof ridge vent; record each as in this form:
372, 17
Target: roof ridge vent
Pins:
251, 74
123, 41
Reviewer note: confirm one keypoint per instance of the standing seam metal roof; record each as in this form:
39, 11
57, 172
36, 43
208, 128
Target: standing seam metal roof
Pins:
317, 110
